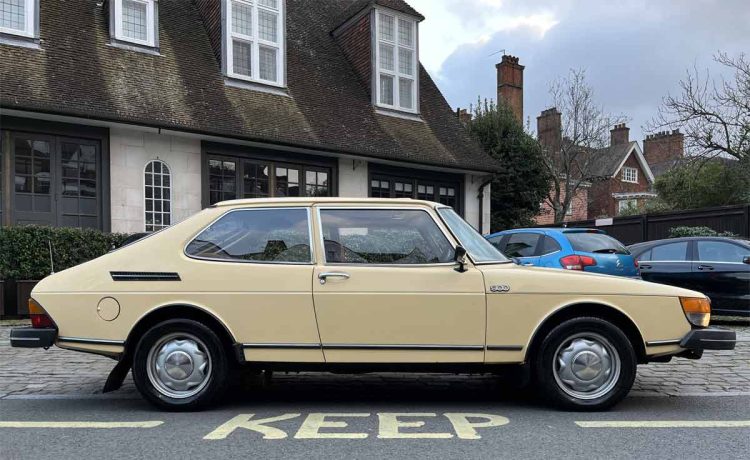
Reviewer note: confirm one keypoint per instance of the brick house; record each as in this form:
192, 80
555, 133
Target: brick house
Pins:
130, 115
623, 178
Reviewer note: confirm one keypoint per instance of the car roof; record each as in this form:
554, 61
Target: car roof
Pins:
690, 238
310, 201
550, 230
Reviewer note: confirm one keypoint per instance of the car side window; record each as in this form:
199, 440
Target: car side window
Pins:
522, 245
256, 235
498, 242
669, 252
549, 245
383, 236
719, 251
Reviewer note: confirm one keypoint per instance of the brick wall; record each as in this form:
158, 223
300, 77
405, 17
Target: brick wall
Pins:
579, 206
601, 201
356, 42
664, 146
510, 85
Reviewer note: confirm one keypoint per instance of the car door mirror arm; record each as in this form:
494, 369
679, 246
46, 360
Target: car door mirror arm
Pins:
460, 258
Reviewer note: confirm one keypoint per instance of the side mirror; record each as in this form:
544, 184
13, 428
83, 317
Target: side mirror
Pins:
746, 260
460, 258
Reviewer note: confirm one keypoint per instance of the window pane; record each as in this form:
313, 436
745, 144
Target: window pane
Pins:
134, 19
386, 89
380, 189
13, 14
242, 18
268, 63
549, 245
406, 93
671, 251
262, 235
521, 245
405, 32
383, 237
242, 58
269, 3
478, 248
386, 27
386, 56
267, 26
595, 242
406, 61
717, 251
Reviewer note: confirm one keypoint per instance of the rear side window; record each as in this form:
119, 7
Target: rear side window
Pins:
549, 245
719, 251
669, 252
498, 243
256, 235
596, 243
383, 236
522, 245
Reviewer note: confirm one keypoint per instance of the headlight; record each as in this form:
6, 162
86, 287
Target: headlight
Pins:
697, 310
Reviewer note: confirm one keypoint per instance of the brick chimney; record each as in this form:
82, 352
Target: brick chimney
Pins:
463, 116
510, 85
620, 134
664, 146
549, 129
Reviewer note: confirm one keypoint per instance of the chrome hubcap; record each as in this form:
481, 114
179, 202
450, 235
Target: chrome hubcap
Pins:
179, 365
586, 366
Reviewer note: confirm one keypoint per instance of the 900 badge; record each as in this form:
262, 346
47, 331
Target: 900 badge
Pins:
499, 288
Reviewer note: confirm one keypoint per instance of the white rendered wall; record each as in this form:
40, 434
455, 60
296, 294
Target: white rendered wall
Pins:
471, 203
353, 178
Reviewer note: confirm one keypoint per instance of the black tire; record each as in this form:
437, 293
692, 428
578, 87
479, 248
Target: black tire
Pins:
546, 363
213, 383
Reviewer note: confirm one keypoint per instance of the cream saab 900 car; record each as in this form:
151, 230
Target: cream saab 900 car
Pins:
355, 285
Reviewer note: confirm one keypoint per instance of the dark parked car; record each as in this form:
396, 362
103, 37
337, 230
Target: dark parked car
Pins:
718, 267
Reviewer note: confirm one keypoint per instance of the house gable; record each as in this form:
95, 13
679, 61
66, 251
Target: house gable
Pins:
635, 159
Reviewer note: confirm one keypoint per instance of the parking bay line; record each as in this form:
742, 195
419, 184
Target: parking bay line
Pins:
666, 424
85, 425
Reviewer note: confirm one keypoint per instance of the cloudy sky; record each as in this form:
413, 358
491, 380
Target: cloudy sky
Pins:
634, 51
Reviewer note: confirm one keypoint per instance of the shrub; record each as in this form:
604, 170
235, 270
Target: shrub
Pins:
25, 251
679, 232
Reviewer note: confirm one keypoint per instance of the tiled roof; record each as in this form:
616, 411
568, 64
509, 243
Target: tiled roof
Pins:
328, 108
607, 160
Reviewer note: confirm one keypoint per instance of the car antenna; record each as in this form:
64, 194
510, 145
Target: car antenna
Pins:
51, 260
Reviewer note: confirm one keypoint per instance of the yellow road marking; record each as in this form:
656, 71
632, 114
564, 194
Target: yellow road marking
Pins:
667, 424
90, 425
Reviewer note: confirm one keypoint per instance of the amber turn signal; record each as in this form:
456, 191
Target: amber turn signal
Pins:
39, 317
697, 310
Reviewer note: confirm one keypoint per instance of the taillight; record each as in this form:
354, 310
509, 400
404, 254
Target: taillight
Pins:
576, 262
39, 318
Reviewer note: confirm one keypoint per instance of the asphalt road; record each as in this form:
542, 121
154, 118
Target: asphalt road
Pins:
377, 426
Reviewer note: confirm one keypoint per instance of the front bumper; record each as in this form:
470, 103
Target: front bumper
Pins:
710, 338
29, 337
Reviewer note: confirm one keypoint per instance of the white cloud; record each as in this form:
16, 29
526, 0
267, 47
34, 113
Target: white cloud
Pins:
451, 24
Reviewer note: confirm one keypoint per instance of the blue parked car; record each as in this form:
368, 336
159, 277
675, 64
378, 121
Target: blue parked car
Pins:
567, 248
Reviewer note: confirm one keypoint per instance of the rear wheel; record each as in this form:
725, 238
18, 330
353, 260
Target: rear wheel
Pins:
585, 364
180, 365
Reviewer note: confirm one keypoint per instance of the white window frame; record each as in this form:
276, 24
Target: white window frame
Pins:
395, 73
153, 200
151, 26
626, 204
256, 42
630, 174
31, 13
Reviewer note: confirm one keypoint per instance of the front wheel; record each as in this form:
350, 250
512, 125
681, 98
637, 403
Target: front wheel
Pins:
585, 364
180, 365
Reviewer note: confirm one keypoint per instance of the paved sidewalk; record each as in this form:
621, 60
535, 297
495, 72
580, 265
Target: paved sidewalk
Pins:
60, 372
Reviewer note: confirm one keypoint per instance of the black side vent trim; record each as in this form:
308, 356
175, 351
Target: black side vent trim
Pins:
145, 276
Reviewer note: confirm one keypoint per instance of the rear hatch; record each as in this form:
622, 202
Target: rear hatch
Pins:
612, 258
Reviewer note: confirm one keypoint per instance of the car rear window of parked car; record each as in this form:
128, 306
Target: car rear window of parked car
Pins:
595, 242
383, 236
256, 235
719, 251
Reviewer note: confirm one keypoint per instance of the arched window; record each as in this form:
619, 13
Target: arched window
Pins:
158, 193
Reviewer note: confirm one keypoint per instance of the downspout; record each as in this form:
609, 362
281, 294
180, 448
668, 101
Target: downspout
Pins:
487, 180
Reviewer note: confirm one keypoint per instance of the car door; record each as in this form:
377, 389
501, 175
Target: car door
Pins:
386, 289
523, 246
667, 263
719, 272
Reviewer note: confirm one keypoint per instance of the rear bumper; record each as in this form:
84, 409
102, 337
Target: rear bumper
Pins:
28, 337
711, 338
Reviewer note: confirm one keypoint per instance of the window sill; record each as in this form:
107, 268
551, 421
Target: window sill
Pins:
20, 41
134, 47
245, 84
399, 114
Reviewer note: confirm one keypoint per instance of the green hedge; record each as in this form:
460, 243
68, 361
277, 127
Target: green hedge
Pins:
679, 232
24, 251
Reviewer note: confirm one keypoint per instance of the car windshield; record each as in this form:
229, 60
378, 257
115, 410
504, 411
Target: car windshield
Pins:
480, 250
595, 242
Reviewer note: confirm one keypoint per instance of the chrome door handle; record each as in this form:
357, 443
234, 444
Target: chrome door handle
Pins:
325, 275
705, 267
